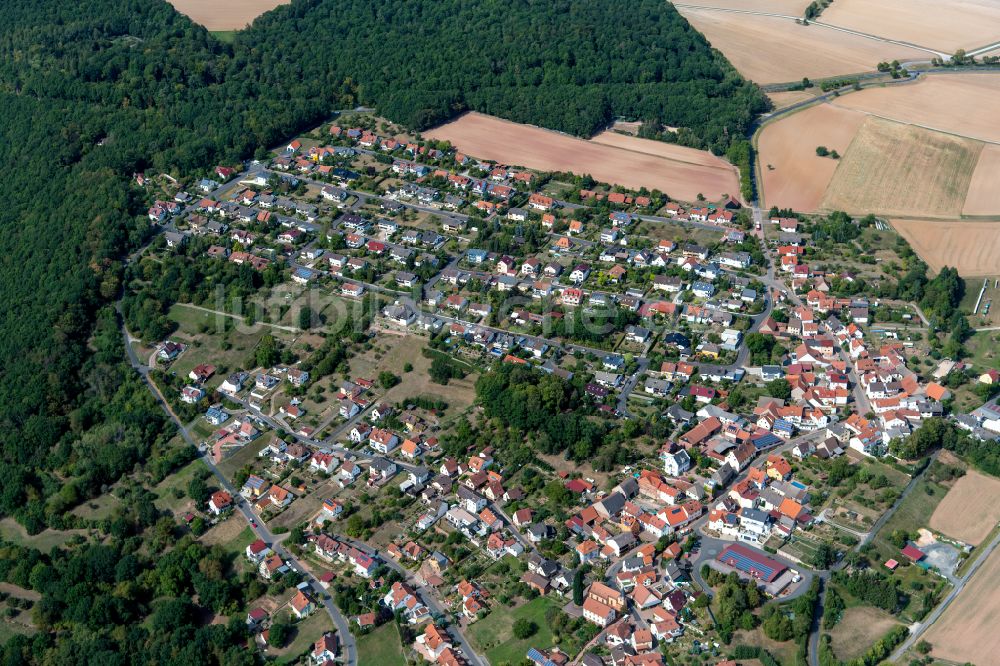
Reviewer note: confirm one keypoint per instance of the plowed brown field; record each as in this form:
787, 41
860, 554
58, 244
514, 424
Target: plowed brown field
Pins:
682, 173
794, 176
225, 14
973, 247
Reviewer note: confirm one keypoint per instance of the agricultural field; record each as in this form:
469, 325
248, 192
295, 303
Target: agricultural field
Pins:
794, 176
787, 7
966, 631
782, 100
768, 49
931, 103
668, 151
225, 15
971, 246
896, 169
500, 140
970, 510
983, 197
945, 26
858, 629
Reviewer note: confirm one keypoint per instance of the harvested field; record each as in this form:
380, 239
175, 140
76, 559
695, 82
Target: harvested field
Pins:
970, 510
793, 175
225, 14
667, 151
767, 49
946, 26
896, 169
495, 139
973, 247
783, 100
963, 104
983, 197
788, 7
966, 631
858, 630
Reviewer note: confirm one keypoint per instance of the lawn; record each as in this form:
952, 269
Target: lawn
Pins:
913, 513
226, 36
233, 534
166, 499
307, 632
46, 540
215, 338
381, 647
99, 508
860, 627
246, 455
493, 634
784, 652
392, 352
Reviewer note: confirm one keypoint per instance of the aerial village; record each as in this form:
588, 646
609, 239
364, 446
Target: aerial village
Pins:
719, 323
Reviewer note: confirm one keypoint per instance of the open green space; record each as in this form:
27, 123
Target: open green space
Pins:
494, 633
381, 646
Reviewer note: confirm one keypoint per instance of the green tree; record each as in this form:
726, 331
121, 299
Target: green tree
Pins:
524, 628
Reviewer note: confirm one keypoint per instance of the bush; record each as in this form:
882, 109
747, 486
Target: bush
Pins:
524, 629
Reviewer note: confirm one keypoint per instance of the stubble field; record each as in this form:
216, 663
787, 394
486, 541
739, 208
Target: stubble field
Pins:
898, 170
970, 510
782, 100
984, 190
793, 175
966, 631
225, 14
944, 25
767, 49
684, 175
973, 247
963, 104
